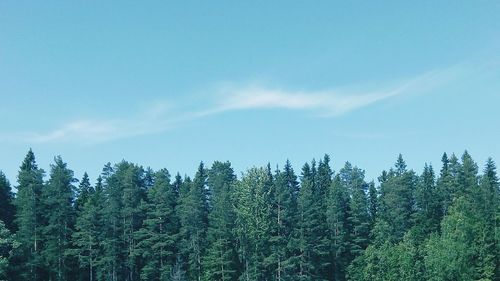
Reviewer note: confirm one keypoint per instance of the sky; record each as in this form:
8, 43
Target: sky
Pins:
168, 84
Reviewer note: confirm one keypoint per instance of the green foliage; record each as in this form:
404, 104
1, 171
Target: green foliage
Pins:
59, 218
221, 259
29, 219
7, 209
7, 245
194, 219
139, 224
159, 234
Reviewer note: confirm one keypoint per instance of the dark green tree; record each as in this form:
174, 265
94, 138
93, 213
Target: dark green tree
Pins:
84, 191
159, 234
88, 233
253, 223
7, 209
396, 203
194, 219
221, 259
339, 227
29, 219
59, 216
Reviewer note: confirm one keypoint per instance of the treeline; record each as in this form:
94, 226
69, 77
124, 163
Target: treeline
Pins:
269, 224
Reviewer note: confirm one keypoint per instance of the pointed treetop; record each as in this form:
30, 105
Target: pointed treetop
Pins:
445, 161
400, 165
490, 172
288, 167
29, 162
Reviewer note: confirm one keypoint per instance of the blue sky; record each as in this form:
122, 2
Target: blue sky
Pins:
172, 83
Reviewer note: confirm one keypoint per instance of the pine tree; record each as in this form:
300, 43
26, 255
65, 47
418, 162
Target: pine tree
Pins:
28, 219
221, 260
359, 216
59, 215
131, 181
373, 205
311, 233
323, 182
110, 264
88, 231
83, 192
339, 227
428, 207
159, 234
396, 203
253, 222
7, 244
283, 215
7, 209
194, 219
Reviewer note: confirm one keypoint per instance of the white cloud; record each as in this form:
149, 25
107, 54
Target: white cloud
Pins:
160, 117
328, 103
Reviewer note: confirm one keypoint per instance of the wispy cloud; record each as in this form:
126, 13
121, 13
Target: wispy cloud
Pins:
153, 120
326, 103
159, 117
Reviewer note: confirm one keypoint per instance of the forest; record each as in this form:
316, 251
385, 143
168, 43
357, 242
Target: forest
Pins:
269, 223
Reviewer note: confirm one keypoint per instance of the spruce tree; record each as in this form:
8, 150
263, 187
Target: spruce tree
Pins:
83, 192
339, 228
194, 219
7, 209
88, 233
59, 215
428, 207
159, 234
29, 219
359, 216
396, 206
221, 260
253, 223
283, 209
7, 244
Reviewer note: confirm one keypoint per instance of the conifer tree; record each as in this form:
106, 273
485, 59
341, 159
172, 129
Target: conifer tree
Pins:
83, 192
59, 215
396, 202
159, 234
7, 209
194, 219
221, 259
29, 219
339, 227
428, 207
7, 244
359, 216
88, 233
253, 223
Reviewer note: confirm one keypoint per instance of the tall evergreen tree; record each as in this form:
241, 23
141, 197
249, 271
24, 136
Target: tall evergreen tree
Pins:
428, 207
339, 227
7, 209
159, 235
29, 219
194, 220
88, 233
7, 244
221, 259
396, 202
84, 191
283, 215
373, 205
59, 215
253, 223
359, 214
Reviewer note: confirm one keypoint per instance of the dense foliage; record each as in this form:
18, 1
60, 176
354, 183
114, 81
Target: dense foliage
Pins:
269, 224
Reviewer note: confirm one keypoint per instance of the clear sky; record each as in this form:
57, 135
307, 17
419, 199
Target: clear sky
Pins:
172, 83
